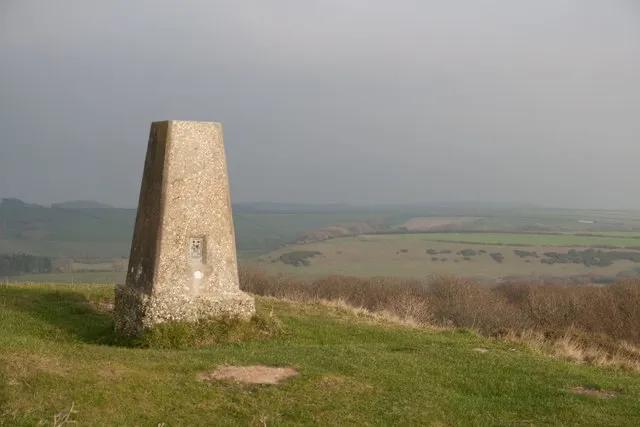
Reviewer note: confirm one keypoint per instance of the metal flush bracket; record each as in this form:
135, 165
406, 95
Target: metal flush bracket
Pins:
196, 250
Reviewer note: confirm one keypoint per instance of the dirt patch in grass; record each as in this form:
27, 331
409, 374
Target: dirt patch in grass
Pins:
593, 391
257, 374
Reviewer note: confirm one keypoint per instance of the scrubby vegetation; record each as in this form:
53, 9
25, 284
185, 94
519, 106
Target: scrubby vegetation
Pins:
497, 257
298, 258
468, 252
16, 264
604, 319
590, 257
525, 254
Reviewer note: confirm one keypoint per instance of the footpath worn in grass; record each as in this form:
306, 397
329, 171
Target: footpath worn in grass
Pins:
353, 369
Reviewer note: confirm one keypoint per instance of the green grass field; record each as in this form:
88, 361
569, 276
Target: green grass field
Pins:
624, 240
80, 278
352, 370
101, 234
405, 255
256, 233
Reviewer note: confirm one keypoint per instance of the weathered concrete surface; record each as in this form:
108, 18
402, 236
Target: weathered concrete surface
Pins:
183, 263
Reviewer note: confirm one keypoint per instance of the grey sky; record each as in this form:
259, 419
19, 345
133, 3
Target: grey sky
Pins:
356, 101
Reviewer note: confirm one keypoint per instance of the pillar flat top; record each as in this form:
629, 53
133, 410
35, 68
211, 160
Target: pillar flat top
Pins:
209, 122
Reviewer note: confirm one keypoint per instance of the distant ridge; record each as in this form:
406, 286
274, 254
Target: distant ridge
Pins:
81, 204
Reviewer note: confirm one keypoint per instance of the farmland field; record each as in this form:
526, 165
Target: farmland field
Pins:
109, 277
460, 254
622, 240
399, 241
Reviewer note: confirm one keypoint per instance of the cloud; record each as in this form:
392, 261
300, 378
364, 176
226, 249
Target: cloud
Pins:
361, 101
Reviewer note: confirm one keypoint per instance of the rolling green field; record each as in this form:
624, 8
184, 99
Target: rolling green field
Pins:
90, 235
76, 277
82, 249
57, 359
258, 233
408, 255
521, 239
106, 233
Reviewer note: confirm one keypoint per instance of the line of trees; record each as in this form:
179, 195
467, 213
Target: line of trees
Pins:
16, 264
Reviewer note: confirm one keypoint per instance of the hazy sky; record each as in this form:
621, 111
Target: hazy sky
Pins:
356, 101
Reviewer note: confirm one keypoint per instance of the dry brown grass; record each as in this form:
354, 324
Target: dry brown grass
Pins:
592, 324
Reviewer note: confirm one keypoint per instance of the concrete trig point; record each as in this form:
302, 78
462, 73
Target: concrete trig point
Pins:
183, 263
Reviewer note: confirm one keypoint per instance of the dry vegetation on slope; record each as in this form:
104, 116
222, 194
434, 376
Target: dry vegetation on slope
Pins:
591, 323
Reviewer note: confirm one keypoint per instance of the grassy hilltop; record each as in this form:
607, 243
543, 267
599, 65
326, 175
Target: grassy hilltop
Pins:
59, 364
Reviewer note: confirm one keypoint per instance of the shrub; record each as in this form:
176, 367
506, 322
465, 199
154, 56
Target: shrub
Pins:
497, 257
298, 258
612, 310
525, 254
590, 257
467, 253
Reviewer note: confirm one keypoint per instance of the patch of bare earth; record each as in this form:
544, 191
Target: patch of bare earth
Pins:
257, 374
593, 392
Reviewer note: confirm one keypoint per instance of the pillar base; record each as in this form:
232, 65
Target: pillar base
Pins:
135, 311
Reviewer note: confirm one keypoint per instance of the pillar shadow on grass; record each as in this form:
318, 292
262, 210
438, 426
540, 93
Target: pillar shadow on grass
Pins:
78, 317
64, 309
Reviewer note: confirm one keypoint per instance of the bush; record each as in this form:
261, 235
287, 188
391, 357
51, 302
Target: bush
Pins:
590, 257
298, 258
525, 254
612, 310
497, 257
467, 253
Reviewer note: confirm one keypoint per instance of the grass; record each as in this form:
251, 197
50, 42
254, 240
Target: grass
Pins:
406, 256
55, 248
532, 239
106, 233
83, 278
354, 369
262, 232
605, 317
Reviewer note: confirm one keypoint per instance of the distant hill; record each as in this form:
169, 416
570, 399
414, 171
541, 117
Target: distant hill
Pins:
81, 204
25, 221
90, 229
290, 208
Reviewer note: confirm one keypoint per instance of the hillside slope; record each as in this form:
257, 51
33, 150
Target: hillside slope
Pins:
353, 368
75, 230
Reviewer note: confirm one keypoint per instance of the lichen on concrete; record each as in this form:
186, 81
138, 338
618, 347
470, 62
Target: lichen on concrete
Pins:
183, 263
